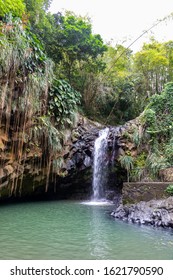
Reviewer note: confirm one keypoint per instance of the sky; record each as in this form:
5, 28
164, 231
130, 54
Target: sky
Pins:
122, 21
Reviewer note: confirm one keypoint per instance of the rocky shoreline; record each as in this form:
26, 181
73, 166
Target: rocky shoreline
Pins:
157, 213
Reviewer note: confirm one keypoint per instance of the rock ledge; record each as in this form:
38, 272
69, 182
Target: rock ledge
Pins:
158, 213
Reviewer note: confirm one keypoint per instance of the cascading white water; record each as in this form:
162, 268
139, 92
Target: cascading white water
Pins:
100, 165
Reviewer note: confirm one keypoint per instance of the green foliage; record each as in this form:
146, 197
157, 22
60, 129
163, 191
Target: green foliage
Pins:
23, 47
140, 160
37, 5
136, 174
137, 138
118, 62
168, 151
53, 135
15, 7
124, 90
77, 52
70, 43
127, 162
126, 135
114, 99
151, 62
169, 189
157, 120
115, 84
133, 79
28, 70
63, 102
156, 162
36, 10
138, 167
149, 118
37, 58
168, 90
74, 37
51, 140
159, 113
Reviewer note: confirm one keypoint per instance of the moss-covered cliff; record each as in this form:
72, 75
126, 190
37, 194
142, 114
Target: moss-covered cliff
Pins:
38, 120
146, 142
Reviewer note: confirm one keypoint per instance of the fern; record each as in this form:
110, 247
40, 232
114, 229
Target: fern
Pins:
126, 162
155, 162
53, 135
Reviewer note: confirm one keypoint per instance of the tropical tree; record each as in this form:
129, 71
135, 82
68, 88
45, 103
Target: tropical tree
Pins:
152, 64
169, 55
71, 43
37, 10
115, 98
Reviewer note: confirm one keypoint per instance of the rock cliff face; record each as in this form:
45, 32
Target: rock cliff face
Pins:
34, 176
32, 173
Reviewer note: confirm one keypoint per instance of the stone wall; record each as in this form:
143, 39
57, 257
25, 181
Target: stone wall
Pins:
144, 191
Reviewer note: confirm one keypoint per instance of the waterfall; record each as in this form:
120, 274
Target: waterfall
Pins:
100, 165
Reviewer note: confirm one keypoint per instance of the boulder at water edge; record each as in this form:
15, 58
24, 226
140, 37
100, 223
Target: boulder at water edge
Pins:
153, 212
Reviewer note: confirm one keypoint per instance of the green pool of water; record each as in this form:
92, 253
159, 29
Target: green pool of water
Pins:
70, 230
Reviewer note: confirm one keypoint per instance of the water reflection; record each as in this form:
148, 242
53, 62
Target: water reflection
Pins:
70, 230
97, 240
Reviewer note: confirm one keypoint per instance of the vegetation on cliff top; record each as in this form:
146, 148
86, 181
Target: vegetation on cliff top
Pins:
114, 83
35, 108
152, 139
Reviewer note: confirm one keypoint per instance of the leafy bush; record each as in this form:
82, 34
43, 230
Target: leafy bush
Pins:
149, 117
15, 7
155, 162
157, 120
169, 151
63, 102
137, 137
54, 136
169, 189
126, 162
21, 46
169, 89
159, 113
